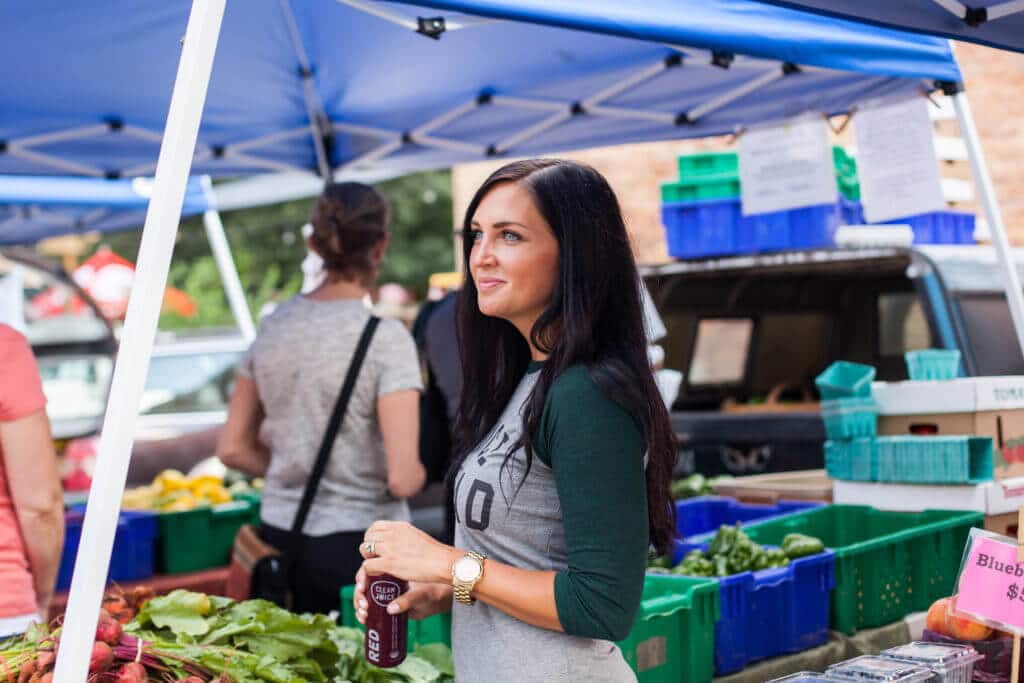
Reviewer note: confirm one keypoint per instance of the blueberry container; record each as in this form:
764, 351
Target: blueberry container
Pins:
849, 418
803, 677
881, 669
949, 663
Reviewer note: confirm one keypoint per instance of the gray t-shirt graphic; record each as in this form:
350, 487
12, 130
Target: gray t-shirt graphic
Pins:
299, 361
523, 529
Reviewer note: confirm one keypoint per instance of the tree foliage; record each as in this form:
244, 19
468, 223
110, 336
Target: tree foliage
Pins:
268, 248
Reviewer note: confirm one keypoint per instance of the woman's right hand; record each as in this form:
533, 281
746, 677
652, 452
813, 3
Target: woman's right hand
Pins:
422, 600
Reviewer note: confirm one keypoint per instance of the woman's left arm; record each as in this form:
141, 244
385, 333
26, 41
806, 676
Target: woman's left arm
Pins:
239, 446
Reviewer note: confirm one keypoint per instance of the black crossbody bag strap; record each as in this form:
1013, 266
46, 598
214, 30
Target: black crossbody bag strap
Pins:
333, 425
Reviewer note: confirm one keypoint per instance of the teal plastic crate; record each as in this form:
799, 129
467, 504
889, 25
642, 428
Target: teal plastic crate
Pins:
849, 418
853, 460
933, 364
934, 459
718, 186
708, 163
844, 379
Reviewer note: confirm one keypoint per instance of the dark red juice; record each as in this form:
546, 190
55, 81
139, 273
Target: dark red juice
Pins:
386, 634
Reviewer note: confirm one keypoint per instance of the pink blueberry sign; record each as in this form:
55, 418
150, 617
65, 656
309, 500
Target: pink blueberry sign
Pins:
992, 584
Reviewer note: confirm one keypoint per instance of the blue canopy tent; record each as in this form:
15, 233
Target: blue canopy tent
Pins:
33, 208
347, 86
996, 23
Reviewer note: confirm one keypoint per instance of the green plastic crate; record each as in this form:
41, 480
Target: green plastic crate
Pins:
673, 638
719, 186
888, 564
708, 163
191, 540
435, 629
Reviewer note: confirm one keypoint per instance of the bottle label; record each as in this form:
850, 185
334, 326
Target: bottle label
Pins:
384, 592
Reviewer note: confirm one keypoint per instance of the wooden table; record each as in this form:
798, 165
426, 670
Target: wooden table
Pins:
212, 581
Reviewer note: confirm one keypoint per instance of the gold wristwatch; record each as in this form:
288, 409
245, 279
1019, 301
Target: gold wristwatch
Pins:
466, 572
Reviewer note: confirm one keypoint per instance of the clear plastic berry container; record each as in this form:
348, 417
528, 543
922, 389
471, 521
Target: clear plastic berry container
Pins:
871, 668
803, 677
950, 663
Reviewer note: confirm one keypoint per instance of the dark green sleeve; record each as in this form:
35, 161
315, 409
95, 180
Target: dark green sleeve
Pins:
596, 452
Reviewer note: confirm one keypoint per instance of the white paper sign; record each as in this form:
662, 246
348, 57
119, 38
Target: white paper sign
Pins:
787, 166
12, 299
896, 163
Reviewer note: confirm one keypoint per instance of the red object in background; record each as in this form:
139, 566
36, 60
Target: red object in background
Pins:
79, 462
108, 279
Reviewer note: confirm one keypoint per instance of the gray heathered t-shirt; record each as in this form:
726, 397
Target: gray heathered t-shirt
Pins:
298, 362
525, 531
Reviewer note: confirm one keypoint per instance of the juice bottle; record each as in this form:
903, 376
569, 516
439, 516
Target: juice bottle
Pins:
386, 634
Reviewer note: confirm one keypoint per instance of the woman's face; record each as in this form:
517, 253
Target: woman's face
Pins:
514, 259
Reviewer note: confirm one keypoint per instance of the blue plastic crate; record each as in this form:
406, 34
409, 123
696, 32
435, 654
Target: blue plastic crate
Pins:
133, 555
844, 379
940, 227
765, 232
813, 226
695, 229
773, 611
933, 364
849, 418
851, 211
853, 460
934, 459
707, 513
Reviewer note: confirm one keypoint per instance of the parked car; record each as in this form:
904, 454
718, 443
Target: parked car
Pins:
74, 345
747, 331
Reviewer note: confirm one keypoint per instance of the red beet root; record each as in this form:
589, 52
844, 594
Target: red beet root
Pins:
132, 672
27, 669
108, 630
102, 657
45, 660
46, 678
190, 679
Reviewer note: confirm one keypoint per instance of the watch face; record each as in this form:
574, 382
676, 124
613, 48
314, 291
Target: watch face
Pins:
467, 569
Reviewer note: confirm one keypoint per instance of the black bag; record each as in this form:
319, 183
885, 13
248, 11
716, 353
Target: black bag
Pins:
271, 575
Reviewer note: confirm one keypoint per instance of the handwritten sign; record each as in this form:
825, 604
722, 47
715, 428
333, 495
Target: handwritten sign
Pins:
992, 584
896, 163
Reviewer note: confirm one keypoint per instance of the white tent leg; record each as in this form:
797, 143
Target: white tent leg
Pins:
226, 265
1011, 280
158, 235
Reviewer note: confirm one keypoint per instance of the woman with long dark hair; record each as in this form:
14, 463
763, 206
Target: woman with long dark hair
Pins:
565, 447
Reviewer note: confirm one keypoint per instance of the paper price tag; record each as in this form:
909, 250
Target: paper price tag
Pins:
992, 584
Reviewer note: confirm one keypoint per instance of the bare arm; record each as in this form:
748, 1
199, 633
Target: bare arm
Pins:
31, 466
399, 416
239, 445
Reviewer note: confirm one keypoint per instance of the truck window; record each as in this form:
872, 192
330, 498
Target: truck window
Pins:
991, 339
902, 325
720, 351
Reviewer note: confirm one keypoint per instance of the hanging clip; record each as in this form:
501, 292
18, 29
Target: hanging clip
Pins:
431, 27
846, 122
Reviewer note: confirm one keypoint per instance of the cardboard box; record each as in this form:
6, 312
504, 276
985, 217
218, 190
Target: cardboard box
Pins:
981, 406
991, 498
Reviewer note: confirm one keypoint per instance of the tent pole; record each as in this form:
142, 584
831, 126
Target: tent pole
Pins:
1011, 280
154, 259
226, 264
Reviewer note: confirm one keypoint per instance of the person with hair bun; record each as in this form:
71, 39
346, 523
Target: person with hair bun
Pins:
288, 384
564, 448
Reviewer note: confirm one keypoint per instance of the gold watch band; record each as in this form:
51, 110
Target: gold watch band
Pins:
463, 591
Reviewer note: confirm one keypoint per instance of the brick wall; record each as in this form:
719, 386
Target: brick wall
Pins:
994, 81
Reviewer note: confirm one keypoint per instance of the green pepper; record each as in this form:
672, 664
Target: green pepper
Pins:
689, 487
658, 570
721, 565
800, 545
775, 557
723, 541
663, 562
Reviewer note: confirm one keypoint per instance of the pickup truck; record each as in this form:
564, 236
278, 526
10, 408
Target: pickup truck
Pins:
750, 334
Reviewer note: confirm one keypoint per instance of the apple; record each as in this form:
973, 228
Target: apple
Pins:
936, 619
963, 627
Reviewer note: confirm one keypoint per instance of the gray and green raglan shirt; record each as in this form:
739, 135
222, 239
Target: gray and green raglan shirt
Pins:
581, 511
